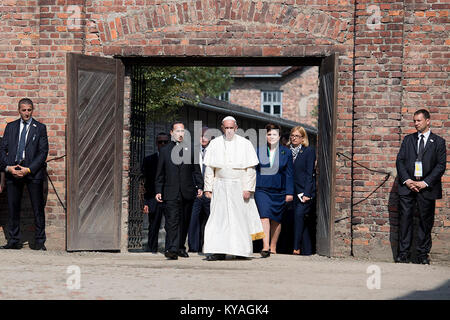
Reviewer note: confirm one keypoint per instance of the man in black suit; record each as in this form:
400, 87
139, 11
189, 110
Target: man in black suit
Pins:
24, 149
178, 181
153, 208
420, 164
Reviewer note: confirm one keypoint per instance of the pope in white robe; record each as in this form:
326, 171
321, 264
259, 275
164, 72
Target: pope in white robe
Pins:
230, 180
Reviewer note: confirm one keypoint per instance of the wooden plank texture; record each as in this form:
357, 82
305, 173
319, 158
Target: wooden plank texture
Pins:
326, 160
94, 152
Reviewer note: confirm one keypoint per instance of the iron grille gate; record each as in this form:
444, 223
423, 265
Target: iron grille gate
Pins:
137, 151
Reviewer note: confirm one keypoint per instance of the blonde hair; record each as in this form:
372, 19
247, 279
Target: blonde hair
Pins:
302, 131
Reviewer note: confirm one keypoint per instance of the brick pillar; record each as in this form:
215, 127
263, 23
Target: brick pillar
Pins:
377, 120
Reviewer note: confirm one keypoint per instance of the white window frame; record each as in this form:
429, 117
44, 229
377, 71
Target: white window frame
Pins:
224, 94
271, 103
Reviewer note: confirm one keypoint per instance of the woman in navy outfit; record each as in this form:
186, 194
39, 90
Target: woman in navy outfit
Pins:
274, 187
304, 186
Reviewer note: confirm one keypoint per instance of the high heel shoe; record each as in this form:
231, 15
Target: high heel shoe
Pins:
265, 254
296, 252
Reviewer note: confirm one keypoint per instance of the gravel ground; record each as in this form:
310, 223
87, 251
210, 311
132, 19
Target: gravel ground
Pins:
27, 274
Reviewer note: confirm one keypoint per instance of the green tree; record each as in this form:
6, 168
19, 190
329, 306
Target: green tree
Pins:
168, 88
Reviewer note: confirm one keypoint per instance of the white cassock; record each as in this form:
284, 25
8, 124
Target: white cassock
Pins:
233, 223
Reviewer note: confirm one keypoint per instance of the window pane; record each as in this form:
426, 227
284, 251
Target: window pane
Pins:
265, 97
277, 109
266, 108
225, 96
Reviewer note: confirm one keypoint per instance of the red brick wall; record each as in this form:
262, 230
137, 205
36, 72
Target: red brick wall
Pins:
300, 91
399, 67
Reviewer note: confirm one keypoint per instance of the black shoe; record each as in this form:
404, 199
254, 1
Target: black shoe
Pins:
171, 255
265, 254
402, 258
183, 254
40, 246
423, 260
15, 246
215, 257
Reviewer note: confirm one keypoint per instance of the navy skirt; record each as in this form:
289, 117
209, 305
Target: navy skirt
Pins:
270, 203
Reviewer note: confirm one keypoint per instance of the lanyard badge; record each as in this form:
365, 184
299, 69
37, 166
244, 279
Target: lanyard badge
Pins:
418, 169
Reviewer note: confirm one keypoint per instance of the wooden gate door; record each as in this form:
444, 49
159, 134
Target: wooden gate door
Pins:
94, 152
326, 160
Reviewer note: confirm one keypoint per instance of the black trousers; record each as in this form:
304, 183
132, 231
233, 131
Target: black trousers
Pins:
177, 214
302, 239
154, 222
426, 219
200, 215
15, 192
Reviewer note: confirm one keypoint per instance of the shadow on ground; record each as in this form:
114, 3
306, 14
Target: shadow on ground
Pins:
440, 293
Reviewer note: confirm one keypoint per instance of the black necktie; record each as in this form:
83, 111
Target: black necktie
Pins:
21, 148
421, 147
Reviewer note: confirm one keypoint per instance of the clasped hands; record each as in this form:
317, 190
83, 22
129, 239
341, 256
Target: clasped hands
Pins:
18, 173
415, 186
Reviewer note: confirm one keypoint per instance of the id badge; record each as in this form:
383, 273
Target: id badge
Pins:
418, 169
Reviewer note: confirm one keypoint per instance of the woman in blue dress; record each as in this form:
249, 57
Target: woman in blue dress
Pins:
274, 187
304, 186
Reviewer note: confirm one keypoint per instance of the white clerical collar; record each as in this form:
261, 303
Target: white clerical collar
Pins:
233, 138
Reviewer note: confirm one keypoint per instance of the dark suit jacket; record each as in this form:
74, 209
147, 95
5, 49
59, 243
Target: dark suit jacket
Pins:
171, 179
2, 164
304, 175
433, 164
149, 165
36, 148
282, 179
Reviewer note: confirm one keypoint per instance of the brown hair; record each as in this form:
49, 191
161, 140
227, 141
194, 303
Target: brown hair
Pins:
272, 126
302, 131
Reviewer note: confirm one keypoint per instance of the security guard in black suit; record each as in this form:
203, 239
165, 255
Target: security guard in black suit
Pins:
421, 163
24, 149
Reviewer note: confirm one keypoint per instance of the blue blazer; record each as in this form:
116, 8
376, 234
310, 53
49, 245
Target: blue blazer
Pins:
36, 148
304, 175
281, 178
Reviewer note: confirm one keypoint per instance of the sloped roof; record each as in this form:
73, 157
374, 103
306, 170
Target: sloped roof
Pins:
214, 104
262, 72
